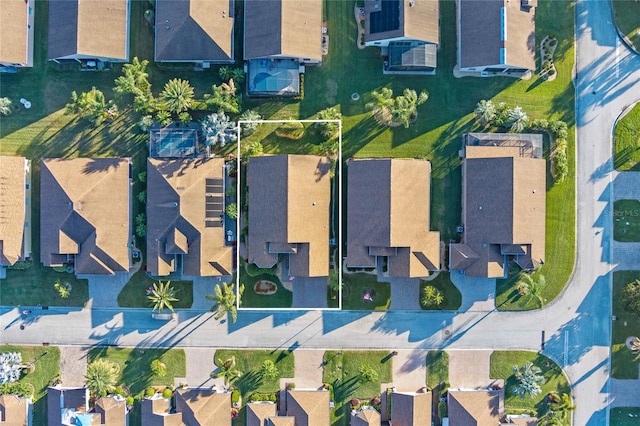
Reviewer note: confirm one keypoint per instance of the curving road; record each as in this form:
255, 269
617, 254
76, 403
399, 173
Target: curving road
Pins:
576, 326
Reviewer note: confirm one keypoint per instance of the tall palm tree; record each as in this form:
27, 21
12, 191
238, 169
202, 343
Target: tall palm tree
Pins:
518, 119
328, 129
101, 376
228, 370
485, 112
406, 106
528, 285
177, 95
135, 78
162, 296
225, 301
383, 99
528, 379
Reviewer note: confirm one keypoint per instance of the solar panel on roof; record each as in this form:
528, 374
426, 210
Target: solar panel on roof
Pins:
387, 18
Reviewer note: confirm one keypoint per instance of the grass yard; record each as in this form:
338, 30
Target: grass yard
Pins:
354, 286
34, 286
623, 362
249, 363
626, 221
437, 368
282, 298
626, 136
135, 372
627, 18
341, 371
452, 296
134, 294
47, 370
501, 367
624, 416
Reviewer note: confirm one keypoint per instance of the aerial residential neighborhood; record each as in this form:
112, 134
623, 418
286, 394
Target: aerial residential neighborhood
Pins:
319, 212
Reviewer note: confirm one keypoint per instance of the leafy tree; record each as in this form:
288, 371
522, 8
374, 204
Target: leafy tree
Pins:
528, 380
631, 297
101, 376
231, 210
518, 119
249, 128
528, 285
162, 296
431, 296
225, 301
5, 106
219, 129
158, 368
268, 370
228, 370
367, 374
485, 112
329, 129
177, 95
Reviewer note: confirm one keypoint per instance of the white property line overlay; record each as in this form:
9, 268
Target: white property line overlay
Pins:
238, 221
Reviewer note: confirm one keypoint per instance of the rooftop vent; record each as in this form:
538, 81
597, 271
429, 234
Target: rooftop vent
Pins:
413, 3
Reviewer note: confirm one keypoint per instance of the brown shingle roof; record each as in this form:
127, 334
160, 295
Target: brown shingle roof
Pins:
474, 408
365, 416
112, 411
417, 20
409, 409
504, 201
257, 413
481, 34
289, 198
89, 28
204, 407
524, 421
388, 215
281, 421
88, 200
194, 30
14, 410
16, 32
309, 407
176, 211
283, 28
155, 412
12, 208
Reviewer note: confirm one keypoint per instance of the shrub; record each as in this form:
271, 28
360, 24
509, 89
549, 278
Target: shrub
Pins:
235, 395
631, 297
249, 128
431, 296
130, 400
560, 165
231, 211
167, 393
150, 391
142, 177
142, 196
254, 271
367, 374
63, 289
6, 107
442, 410
559, 129
158, 368
540, 124
291, 130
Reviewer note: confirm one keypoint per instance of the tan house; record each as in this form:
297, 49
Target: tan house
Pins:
15, 411
204, 407
185, 217
156, 411
411, 408
258, 413
496, 36
365, 416
280, 38
388, 217
289, 202
85, 214
199, 31
16, 33
471, 408
503, 204
408, 31
88, 30
111, 411
15, 210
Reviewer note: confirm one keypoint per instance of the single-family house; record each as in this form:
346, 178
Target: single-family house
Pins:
280, 38
15, 410
15, 210
68, 406
411, 408
365, 416
258, 413
111, 411
408, 32
156, 411
388, 217
199, 31
503, 204
16, 33
88, 30
289, 203
496, 37
185, 217
203, 407
85, 218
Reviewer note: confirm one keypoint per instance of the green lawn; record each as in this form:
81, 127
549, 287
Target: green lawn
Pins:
35, 286
355, 284
249, 363
47, 369
282, 298
452, 296
626, 137
626, 221
623, 362
437, 368
134, 293
341, 371
135, 372
627, 17
501, 367
623, 416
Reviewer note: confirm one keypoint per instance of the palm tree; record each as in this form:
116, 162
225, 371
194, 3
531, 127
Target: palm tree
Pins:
101, 376
558, 407
431, 296
228, 370
528, 380
383, 99
90, 105
328, 129
268, 370
224, 72
222, 97
177, 95
238, 74
217, 128
527, 285
255, 149
518, 119
225, 301
249, 128
162, 295
485, 112
367, 374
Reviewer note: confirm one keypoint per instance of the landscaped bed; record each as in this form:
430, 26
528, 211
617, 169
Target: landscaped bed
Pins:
279, 297
626, 220
452, 298
624, 364
249, 362
134, 294
363, 292
626, 139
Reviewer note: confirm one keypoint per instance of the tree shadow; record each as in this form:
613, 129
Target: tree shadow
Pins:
343, 390
248, 382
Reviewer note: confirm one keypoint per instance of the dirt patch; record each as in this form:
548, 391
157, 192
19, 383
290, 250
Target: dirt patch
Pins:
265, 288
